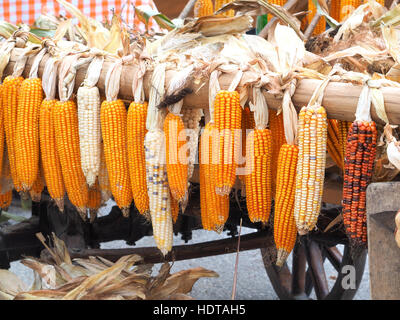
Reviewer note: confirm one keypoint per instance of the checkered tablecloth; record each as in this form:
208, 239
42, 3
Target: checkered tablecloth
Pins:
26, 11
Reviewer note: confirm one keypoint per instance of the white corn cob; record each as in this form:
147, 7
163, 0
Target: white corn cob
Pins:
89, 131
191, 119
158, 190
312, 136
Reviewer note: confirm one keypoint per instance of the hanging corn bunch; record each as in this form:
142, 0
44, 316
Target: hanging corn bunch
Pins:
88, 98
321, 25
310, 172
113, 118
48, 150
358, 169
65, 120
30, 97
285, 231
156, 169
214, 207
203, 8
258, 163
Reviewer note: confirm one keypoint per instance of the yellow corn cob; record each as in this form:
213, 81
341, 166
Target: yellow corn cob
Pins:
10, 99
6, 184
258, 175
220, 3
278, 139
94, 200
5, 200
30, 97
174, 209
203, 8
37, 187
277, 2
1, 129
310, 172
215, 212
381, 2
114, 132
343, 130
137, 115
158, 190
65, 120
191, 120
333, 145
89, 131
347, 7
227, 119
48, 152
284, 224
248, 123
104, 182
335, 10
177, 165
321, 26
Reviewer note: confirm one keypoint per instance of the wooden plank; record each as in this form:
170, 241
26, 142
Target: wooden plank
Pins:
383, 201
340, 99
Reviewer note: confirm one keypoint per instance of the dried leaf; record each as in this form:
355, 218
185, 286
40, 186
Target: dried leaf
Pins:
10, 284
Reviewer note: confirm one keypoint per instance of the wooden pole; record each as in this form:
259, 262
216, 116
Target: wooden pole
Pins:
340, 99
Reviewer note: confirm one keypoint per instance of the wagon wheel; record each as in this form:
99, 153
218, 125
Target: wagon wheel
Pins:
308, 272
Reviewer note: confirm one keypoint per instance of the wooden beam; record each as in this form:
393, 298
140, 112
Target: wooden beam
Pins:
340, 99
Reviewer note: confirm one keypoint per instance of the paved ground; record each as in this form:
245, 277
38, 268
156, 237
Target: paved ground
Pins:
252, 283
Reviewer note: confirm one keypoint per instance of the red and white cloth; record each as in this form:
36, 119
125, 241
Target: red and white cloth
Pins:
26, 11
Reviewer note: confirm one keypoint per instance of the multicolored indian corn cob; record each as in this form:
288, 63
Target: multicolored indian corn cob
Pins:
358, 170
227, 119
333, 144
89, 131
310, 172
347, 7
65, 120
114, 131
321, 25
258, 175
285, 231
278, 139
136, 123
220, 3
158, 190
30, 97
177, 163
203, 8
10, 100
48, 151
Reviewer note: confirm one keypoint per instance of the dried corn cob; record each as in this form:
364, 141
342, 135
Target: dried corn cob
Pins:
258, 175
1, 128
89, 131
50, 159
6, 183
65, 120
359, 163
203, 8
227, 119
174, 209
94, 200
278, 139
177, 164
37, 187
104, 182
333, 145
321, 26
247, 124
10, 98
159, 194
347, 7
191, 120
5, 200
343, 130
310, 174
215, 208
30, 97
285, 230
114, 131
334, 11
136, 123
220, 3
